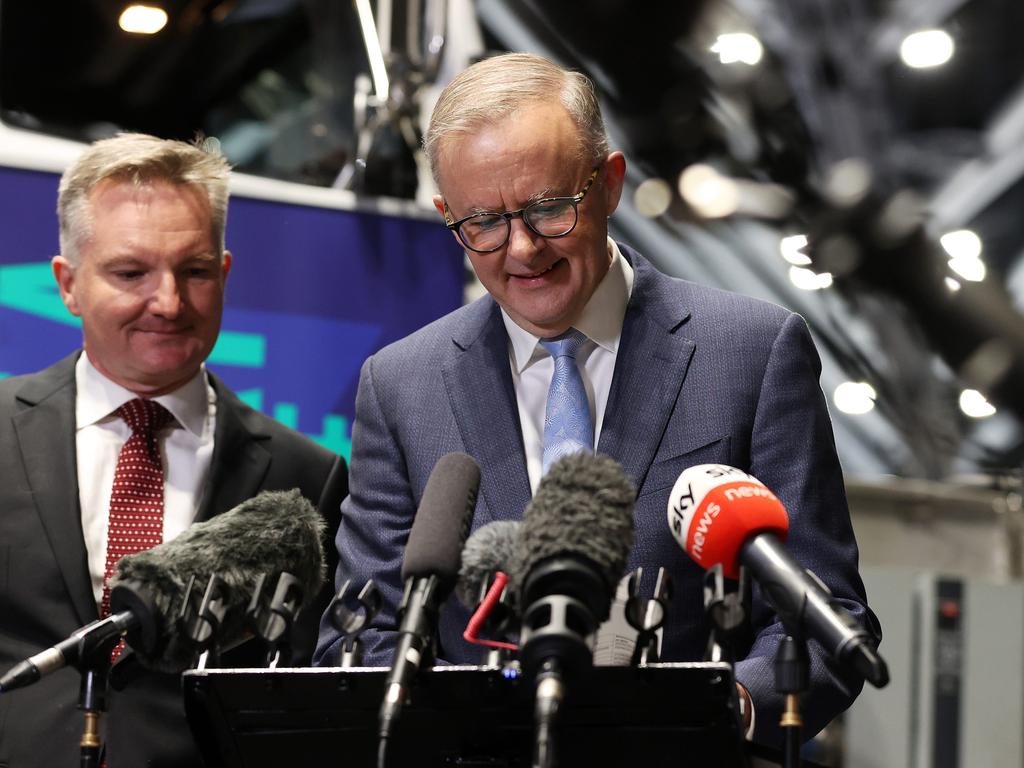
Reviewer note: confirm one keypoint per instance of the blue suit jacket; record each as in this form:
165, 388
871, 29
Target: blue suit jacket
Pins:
701, 376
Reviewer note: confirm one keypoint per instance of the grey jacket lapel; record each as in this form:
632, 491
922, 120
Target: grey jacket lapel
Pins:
45, 436
479, 385
240, 461
652, 362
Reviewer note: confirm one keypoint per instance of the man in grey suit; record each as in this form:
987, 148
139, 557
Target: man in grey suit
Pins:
675, 375
143, 265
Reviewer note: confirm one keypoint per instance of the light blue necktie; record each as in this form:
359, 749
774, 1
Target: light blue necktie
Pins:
568, 427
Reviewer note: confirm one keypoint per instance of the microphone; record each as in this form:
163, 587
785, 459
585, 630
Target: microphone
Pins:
575, 537
80, 645
429, 569
487, 560
722, 515
273, 532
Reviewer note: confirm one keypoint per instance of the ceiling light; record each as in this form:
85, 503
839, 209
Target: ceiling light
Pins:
142, 19
710, 194
792, 250
854, 397
961, 243
652, 198
952, 284
974, 404
968, 268
738, 47
809, 280
927, 48
964, 249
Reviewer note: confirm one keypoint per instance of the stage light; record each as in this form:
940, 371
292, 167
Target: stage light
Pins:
142, 19
952, 284
652, 198
974, 404
710, 194
738, 47
809, 280
964, 249
961, 243
854, 397
969, 269
792, 250
927, 48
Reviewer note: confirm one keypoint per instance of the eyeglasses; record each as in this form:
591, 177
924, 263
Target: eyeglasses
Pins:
549, 217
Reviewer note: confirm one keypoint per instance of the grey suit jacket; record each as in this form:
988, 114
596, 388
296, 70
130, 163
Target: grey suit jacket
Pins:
45, 589
701, 376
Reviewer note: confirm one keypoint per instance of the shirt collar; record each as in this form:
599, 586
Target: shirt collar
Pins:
97, 398
601, 319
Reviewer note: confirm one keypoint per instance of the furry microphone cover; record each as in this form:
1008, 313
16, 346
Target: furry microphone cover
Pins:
491, 548
583, 507
274, 531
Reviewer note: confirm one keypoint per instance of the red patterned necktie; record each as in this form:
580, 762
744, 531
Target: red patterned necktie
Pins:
137, 499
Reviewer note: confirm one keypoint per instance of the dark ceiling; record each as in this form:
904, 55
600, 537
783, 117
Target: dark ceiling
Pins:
275, 81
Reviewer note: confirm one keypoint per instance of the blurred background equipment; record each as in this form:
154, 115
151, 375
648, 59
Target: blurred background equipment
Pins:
860, 163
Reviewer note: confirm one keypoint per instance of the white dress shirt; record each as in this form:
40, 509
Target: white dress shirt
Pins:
186, 450
533, 366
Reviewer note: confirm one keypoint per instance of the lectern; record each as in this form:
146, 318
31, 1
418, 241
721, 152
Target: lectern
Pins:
658, 715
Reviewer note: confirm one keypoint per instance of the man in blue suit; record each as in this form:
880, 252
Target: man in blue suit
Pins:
675, 375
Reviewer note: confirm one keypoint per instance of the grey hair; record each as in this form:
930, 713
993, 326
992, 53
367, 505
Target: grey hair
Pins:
496, 87
138, 158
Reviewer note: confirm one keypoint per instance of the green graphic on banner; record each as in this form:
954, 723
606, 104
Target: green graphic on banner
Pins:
30, 288
334, 436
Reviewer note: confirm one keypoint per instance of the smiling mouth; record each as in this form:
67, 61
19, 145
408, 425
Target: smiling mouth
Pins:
541, 273
163, 331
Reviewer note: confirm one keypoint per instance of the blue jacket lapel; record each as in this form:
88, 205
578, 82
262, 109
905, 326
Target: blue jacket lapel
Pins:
652, 362
479, 384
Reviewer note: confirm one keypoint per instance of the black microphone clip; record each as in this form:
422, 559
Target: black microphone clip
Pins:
728, 612
647, 615
272, 619
351, 622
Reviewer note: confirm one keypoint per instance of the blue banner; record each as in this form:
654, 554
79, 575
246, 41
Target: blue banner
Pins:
312, 292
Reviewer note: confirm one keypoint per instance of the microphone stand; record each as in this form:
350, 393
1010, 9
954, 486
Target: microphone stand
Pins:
792, 670
94, 666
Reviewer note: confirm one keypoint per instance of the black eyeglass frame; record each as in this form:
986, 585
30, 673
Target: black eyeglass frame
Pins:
573, 200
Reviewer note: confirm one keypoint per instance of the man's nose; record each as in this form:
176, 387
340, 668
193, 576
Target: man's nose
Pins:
166, 298
523, 242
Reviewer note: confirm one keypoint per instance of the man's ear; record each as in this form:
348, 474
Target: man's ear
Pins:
64, 274
439, 204
615, 177
225, 265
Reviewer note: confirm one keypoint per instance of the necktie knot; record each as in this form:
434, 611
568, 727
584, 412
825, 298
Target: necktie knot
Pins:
566, 345
144, 416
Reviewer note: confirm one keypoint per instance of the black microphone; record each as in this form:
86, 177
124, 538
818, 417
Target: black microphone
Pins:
273, 532
490, 549
489, 552
576, 535
79, 646
720, 514
429, 568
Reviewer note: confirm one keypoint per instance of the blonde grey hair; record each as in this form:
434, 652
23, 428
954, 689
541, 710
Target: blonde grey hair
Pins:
138, 158
494, 88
